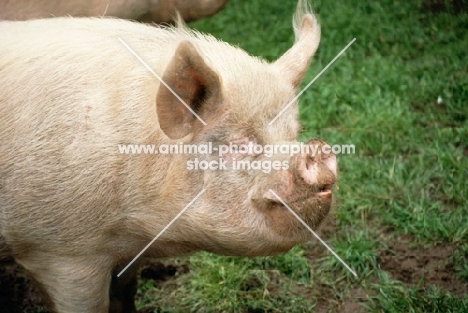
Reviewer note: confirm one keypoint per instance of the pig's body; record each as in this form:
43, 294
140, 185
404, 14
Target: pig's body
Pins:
74, 210
157, 11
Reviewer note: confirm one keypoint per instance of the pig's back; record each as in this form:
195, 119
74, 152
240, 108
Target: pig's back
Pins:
62, 72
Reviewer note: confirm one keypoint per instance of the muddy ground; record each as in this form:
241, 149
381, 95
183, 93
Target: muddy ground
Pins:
403, 260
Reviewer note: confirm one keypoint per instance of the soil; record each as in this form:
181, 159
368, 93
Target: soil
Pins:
17, 293
422, 266
326, 302
404, 260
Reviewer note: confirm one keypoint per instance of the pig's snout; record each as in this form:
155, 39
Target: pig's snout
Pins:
317, 168
306, 187
311, 173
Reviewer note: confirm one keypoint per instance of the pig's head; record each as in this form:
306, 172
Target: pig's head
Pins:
237, 96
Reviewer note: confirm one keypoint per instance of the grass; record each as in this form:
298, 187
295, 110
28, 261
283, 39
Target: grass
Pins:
400, 95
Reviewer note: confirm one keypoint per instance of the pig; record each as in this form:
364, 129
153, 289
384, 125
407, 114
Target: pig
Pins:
75, 210
157, 11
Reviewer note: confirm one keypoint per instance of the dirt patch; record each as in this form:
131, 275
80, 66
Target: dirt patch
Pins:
352, 303
17, 293
404, 260
159, 271
326, 301
422, 267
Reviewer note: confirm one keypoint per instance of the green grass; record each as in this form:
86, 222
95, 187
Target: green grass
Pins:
408, 176
396, 297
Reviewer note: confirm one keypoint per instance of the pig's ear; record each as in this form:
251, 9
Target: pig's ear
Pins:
294, 63
195, 83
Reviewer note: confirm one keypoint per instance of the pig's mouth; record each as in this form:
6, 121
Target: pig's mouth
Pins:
319, 194
325, 189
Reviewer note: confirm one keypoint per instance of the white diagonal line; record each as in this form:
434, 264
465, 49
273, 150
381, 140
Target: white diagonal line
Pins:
105, 11
160, 79
160, 233
313, 233
312, 81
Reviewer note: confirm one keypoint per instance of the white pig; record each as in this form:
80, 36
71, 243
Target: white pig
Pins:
74, 211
